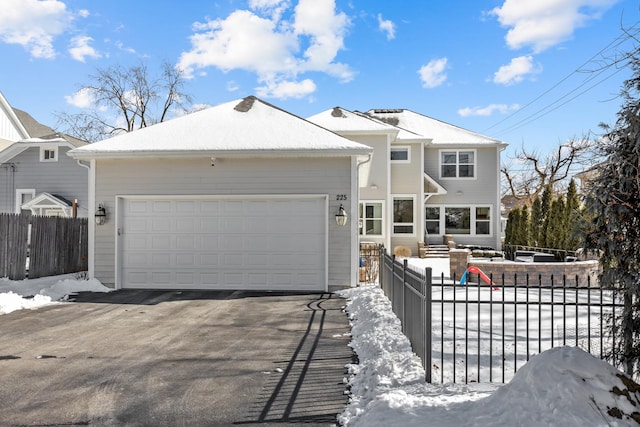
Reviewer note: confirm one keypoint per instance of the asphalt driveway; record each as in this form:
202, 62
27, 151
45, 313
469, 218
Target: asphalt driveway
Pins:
167, 358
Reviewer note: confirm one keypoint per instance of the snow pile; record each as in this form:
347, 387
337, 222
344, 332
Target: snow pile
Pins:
28, 294
563, 386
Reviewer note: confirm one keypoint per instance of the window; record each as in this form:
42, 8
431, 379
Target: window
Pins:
400, 155
460, 220
49, 154
457, 164
432, 220
483, 220
23, 196
403, 215
371, 218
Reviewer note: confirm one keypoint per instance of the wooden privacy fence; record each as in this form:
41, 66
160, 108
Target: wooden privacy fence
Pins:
37, 246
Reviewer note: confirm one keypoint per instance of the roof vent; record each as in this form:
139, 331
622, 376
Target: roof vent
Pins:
245, 105
388, 111
337, 112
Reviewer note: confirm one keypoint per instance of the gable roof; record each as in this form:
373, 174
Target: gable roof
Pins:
347, 122
34, 128
344, 121
23, 131
439, 132
245, 127
16, 130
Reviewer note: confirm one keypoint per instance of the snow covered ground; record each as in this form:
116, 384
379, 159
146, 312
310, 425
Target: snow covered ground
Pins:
33, 293
563, 386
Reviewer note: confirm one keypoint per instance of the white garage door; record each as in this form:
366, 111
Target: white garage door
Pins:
255, 243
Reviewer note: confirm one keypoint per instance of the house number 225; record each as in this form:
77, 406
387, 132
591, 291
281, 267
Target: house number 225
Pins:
341, 197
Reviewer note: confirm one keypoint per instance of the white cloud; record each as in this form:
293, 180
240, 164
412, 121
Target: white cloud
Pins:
124, 48
488, 110
80, 49
434, 73
286, 89
274, 8
387, 26
275, 49
232, 86
516, 71
542, 24
81, 99
34, 24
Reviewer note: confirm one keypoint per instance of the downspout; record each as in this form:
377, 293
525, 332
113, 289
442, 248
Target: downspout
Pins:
356, 240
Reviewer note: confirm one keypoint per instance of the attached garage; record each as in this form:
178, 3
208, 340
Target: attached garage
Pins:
242, 196
253, 243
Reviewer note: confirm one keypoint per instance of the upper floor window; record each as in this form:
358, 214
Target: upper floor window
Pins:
458, 164
48, 154
371, 218
400, 154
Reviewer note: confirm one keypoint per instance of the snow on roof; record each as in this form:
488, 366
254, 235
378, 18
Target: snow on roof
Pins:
340, 120
243, 127
439, 132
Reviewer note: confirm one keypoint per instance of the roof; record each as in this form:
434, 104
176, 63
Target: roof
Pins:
439, 132
34, 128
340, 120
245, 127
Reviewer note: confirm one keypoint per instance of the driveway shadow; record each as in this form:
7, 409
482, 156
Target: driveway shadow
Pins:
310, 389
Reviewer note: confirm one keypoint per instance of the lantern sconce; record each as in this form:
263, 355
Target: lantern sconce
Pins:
341, 216
101, 215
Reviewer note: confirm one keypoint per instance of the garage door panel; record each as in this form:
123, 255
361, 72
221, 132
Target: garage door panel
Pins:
264, 243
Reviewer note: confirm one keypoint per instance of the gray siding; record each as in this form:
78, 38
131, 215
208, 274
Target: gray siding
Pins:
483, 190
64, 177
330, 176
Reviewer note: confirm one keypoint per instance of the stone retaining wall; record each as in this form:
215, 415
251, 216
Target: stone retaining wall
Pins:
539, 272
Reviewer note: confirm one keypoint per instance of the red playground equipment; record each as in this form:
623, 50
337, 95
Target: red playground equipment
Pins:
475, 270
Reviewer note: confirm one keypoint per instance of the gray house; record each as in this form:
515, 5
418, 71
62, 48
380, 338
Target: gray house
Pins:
426, 180
36, 175
239, 196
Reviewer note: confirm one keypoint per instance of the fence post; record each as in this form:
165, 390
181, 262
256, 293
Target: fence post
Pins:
381, 265
426, 322
402, 293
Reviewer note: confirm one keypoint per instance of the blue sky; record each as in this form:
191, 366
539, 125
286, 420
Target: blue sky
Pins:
528, 72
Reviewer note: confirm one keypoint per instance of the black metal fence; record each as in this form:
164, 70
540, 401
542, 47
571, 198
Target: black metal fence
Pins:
485, 332
35, 246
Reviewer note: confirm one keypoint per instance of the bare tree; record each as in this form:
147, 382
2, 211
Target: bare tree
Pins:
126, 99
528, 173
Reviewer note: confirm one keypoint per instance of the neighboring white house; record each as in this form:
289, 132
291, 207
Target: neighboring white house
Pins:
427, 179
239, 196
35, 174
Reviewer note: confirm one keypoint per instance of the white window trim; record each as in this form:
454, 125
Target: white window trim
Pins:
406, 148
458, 151
362, 203
44, 149
19, 193
472, 220
415, 216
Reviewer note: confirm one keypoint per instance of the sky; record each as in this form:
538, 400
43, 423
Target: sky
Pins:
563, 386
532, 73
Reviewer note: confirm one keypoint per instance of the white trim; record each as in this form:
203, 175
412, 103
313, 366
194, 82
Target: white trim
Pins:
393, 223
18, 198
43, 153
382, 218
91, 252
457, 164
406, 148
119, 217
